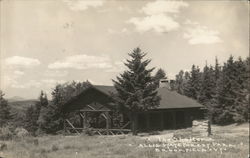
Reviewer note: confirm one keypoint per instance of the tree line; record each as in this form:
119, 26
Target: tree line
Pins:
222, 89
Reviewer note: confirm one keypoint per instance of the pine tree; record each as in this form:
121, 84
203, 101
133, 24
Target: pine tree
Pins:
52, 115
136, 89
4, 110
225, 94
50, 119
160, 74
192, 88
206, 89
185, 83
217, 70
241, 104
33, 113
179, 82
30, 121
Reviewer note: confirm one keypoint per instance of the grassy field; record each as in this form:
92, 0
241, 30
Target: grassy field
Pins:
226, 142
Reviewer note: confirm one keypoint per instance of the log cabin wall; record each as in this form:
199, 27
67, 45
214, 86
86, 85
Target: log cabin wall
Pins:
164, 119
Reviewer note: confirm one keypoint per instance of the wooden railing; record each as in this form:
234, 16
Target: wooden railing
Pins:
69, 128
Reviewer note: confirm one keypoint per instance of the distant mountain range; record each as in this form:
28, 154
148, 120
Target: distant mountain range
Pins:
17, 99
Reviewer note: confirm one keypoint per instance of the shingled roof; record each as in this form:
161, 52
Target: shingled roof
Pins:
169, 99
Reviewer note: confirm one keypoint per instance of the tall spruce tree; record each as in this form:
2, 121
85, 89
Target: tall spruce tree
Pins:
4, 110
185, 83
192, 88
179, 82
241, 103
51, 116
33, 113
225, 94
206, 89
160, 74
136, 88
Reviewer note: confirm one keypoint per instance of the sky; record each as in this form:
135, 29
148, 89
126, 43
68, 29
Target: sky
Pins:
43, 43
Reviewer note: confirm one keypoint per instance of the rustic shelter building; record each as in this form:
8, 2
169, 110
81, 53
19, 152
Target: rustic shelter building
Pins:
95, 111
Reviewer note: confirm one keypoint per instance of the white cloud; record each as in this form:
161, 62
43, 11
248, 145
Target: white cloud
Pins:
160, 6
123, 31
159, 16
82, 62
18, 73
201, 35
51, 82
158, 23
22, 61
79, 5
28, 84
55, 73
118, 66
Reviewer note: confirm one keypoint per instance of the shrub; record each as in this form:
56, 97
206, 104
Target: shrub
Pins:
32, 141
21, 132
6, 133
54, 148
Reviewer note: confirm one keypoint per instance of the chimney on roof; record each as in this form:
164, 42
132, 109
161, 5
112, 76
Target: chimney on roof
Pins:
169, 84
164, 83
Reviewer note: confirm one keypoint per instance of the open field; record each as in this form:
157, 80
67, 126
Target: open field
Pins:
226, 142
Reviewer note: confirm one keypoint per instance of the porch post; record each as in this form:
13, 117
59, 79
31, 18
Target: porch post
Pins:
85, 120
81, 120
107, 122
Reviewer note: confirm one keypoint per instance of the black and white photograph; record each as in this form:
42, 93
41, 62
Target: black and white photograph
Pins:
124, 78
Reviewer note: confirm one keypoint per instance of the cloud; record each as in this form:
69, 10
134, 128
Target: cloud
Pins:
82, 62
198, 34
160, 6
80, 5
123, 31
22, 61
28, 84
159, 16
55, 73
159, 23
52, 82
118, 66
18, 73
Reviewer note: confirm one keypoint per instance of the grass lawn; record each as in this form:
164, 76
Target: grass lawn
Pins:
226, 142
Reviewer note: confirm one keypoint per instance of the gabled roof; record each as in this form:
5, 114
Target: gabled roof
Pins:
105, 89
169, 99
172, 99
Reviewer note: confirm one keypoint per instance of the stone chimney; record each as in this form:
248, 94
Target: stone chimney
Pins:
164, 83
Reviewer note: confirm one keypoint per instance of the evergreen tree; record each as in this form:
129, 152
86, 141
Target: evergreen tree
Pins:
136, 89
217, 70
52, 116
207, 85
241, 104
50, 120
30, 123
33, 113
4, 110
179, 82
225, 94
192, 88
185, 83
160, 74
